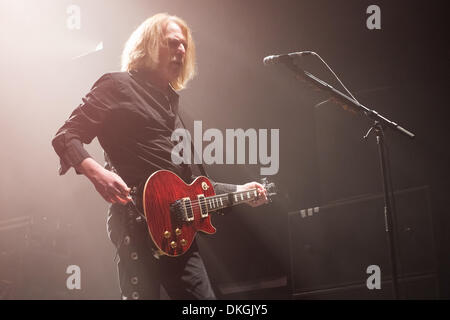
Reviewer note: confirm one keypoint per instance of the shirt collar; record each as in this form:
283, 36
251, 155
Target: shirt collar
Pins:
173, 96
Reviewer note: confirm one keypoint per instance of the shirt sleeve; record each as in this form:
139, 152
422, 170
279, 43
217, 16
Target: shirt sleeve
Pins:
221, 188
84, 123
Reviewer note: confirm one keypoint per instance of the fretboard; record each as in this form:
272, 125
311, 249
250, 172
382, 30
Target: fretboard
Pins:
222, 201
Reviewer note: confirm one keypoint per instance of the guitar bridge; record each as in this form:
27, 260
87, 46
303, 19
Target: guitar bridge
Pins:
182, 209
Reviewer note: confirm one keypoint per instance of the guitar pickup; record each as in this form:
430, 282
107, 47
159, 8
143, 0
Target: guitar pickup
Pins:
202, 205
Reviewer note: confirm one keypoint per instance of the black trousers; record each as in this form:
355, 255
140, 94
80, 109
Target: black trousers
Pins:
141, 274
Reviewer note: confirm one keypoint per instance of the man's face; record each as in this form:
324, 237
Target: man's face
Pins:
172, 55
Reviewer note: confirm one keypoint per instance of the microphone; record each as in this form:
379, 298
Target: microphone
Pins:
283, 58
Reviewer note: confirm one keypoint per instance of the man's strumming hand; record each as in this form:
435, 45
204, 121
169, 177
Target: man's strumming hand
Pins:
107, 183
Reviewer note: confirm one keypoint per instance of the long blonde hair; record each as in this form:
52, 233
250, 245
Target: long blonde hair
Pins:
142, 48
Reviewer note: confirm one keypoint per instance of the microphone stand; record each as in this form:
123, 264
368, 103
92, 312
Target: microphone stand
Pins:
380, 122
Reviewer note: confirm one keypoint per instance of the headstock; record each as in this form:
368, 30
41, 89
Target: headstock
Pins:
270, 188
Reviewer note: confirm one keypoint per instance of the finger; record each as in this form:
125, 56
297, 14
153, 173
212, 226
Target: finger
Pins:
122, 199
257, 203
110, 199
262, 192
253, 204
122, 187
106, 196
265, 195
114, 191
110, 194
118, 197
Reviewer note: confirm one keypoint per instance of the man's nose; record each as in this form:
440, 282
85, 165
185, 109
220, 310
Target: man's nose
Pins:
181, 49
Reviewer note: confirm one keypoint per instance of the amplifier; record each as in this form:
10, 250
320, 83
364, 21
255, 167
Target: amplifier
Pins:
332, 246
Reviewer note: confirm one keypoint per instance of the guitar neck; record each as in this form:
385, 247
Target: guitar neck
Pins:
222, 201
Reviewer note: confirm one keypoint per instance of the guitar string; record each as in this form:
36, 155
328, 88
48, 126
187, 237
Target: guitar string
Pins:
212, 198
196, 203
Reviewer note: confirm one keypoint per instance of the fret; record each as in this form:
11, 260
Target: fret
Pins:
217, 202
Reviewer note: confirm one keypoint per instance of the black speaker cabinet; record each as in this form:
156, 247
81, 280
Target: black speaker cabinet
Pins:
332, 246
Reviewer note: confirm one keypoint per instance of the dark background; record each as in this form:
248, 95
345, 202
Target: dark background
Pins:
400, 71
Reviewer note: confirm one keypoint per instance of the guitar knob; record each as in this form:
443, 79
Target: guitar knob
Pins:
166, 234
177, 231
183, 242
173, 244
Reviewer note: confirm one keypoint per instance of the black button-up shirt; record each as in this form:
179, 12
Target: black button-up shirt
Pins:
133, 121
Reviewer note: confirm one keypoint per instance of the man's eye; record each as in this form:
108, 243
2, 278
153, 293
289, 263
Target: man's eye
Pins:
173, 43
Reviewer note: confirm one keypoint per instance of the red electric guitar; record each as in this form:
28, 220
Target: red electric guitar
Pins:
175, 211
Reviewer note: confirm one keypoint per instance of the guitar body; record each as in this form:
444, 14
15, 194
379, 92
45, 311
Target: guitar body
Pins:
174, 236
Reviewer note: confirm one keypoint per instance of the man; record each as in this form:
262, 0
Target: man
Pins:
133, 113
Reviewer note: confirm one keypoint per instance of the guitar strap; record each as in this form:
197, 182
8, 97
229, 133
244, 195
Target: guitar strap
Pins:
194, 154
110, 167
135, 75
